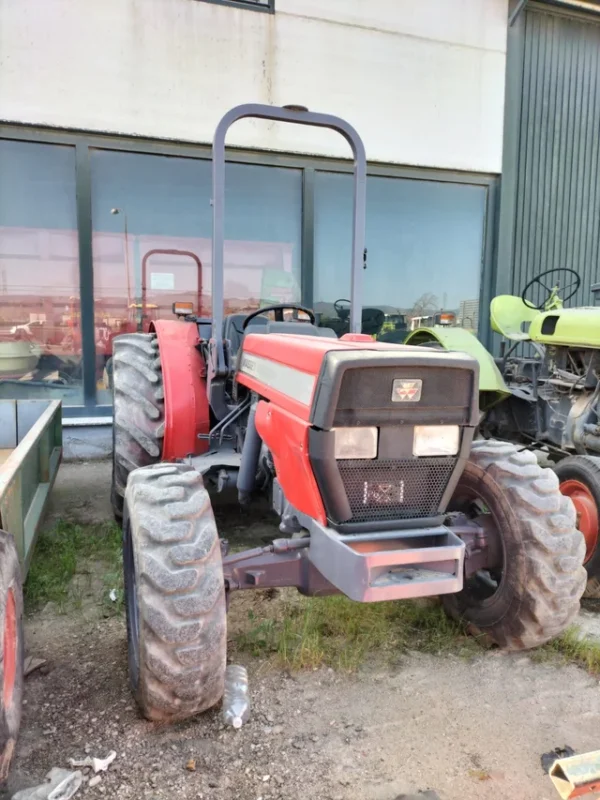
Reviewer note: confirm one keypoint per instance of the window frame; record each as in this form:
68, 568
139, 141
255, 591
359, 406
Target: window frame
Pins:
85, 141
247, 5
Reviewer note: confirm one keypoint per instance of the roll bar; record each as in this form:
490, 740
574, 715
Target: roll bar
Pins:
299, 116
170, 252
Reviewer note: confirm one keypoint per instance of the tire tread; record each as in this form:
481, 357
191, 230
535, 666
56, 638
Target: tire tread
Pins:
138, 403
181, 600
551, 578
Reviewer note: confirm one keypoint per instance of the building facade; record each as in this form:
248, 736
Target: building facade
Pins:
107, 112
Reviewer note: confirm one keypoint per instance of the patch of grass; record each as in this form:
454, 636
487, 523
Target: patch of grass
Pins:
338, 632
70, 549
571, 649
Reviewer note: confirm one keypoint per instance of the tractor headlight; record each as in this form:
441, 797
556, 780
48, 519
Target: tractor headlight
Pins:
355, 442
436, 440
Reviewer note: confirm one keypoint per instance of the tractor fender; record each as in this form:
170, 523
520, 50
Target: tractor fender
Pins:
492, 388
187, 411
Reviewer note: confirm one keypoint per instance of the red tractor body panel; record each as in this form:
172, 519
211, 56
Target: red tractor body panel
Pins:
184, 376
285, 369
286, 436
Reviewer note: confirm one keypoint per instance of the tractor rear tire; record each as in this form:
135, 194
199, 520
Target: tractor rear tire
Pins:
11, 651
175, 593
138, 409
535, 595
579, 478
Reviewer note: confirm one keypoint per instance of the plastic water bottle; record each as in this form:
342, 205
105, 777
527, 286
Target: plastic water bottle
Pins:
236, 699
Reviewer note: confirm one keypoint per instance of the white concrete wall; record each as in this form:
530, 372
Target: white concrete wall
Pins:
423, 82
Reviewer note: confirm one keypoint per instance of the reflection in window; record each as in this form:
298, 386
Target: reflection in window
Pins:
424, 243
152, 229
40, 332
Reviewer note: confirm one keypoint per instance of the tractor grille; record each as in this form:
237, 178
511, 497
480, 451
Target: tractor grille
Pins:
366, 396
384, 490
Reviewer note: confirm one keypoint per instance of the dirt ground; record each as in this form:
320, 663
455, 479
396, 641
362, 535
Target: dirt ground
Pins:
466, 729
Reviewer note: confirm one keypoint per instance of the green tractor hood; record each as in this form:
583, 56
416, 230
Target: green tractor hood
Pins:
567, 327
492, 388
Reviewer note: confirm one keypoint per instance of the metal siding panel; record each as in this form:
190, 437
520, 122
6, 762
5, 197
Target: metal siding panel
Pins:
591, 255
522, 222
557, 199
591, 146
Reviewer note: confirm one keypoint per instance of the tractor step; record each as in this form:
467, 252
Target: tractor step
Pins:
393, 565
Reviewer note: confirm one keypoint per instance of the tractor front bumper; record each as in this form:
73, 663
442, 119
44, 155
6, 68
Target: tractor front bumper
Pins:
393, 565
367, 567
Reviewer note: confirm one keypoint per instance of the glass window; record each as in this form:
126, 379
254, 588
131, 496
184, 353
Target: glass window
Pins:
424, 254
152, 228
40, 333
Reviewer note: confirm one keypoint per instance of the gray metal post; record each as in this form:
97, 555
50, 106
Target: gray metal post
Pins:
300, 117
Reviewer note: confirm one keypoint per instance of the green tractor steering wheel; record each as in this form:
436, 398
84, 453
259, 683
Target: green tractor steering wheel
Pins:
552, 299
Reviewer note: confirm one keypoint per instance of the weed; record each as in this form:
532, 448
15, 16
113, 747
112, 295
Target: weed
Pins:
479, 775
68, 557
338, 632
570, 648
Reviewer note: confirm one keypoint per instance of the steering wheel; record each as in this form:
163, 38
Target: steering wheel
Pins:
279, 309
343, 312
575, 282
338, 305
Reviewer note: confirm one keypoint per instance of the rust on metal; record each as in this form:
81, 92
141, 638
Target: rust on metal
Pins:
9, 651
6, 758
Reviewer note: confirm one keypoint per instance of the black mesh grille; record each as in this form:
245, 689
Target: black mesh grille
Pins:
388, 490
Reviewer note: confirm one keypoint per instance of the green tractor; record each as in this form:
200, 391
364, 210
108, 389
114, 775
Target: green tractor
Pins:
544, 390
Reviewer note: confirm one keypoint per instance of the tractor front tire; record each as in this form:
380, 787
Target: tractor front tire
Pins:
138, 409
175, 593
579, 478
535, 594
11, 651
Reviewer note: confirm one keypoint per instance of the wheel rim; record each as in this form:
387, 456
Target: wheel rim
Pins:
587, 513
133, 613
10, 648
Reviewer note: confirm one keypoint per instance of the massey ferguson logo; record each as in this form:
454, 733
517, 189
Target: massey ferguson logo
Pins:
407, 391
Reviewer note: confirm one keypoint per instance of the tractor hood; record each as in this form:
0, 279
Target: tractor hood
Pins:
569, 327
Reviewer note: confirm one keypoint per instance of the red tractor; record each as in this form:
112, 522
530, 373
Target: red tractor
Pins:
368, 451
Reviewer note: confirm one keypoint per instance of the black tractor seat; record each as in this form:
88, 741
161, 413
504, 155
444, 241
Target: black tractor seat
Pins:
233, 330
298, 328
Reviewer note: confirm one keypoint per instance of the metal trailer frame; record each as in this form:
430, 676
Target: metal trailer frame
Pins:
31, 440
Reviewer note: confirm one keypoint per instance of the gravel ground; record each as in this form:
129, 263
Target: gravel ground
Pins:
467, 729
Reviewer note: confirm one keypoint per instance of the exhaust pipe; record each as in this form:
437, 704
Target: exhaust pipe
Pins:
246, 481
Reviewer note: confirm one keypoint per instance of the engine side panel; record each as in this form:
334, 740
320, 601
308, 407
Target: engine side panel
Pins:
286, 436
187, 411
